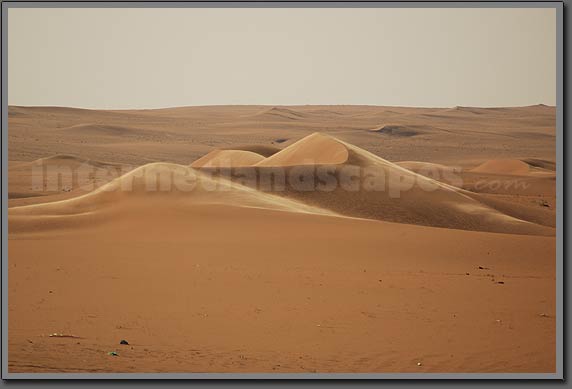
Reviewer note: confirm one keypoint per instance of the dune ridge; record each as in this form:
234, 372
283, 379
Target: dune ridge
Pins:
503, 166
228, 158
165, 186
314, 149
403, 197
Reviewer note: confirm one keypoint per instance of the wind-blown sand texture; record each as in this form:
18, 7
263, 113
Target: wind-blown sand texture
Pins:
449, 268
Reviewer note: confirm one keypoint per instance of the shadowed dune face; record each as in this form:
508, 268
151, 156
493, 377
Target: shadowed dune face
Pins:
321, 174
540, 163
399, 130
353, 182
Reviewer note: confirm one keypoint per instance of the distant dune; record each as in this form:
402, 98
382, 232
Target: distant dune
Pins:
503, 166
400, 130
70, 161
91, 129
526, 167
280, 113
58, 177
541, 163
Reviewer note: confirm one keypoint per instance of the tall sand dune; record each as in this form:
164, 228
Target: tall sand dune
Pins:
384, 190
228, 158
311, 150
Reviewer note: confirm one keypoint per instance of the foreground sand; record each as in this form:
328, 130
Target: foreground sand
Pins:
227, 289
249, 280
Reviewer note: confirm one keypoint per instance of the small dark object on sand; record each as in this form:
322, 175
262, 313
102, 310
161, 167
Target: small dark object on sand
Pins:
500, 282
123, 341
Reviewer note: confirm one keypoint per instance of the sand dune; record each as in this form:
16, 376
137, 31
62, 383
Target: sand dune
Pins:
264, 150
400, 130
313, 149
503, 166
58, 177
541, 163
381, 190
280, 113
228, 158
158, 185
406, 197
181, 135
94, 129
516, 167
71, 161
420, 166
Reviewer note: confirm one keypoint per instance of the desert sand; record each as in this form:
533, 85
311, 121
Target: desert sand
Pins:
282, 239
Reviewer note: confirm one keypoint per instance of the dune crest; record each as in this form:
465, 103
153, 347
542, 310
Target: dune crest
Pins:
404, 196
417, 166
71, 161
263, 150
228, 158
503, 166
156, 186
315, 149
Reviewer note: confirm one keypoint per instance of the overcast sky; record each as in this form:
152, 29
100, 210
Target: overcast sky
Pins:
147, 58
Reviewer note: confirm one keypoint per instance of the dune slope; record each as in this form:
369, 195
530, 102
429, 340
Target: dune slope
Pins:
371, 187
158, 185
228, 158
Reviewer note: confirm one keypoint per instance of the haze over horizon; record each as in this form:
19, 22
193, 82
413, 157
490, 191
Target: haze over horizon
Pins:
159, 58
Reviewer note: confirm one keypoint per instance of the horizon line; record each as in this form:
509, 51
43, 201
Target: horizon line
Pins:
280, 105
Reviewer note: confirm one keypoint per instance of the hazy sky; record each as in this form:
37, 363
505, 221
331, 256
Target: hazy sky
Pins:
146, 58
